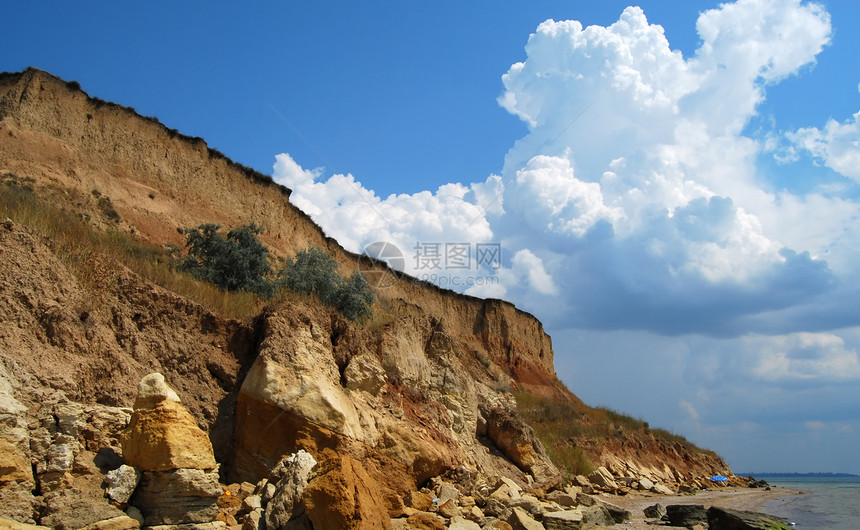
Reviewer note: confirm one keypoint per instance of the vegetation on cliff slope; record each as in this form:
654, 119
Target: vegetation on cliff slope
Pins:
240, 262
575, 434
89, 253
226, 275
313, 271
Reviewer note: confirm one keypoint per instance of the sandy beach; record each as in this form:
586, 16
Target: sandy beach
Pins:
749, 499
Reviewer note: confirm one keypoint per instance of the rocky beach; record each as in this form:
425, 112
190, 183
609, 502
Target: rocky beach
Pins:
735, 498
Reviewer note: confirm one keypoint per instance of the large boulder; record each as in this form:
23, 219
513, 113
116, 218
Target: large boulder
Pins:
601, 477
342, 495
292, 397
618, 514
180, 482
565, 520
177, 497
521, 520
597, 515
655, 511
687, 515
518, 441
726, 519
286, 506
121, 483
162, 434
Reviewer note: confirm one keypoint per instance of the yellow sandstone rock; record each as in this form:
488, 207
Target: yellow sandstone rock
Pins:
162, 434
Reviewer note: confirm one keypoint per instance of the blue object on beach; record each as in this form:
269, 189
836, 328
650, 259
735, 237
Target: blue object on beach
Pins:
718, 478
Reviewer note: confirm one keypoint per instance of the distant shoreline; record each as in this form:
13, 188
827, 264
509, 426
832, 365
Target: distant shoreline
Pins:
799, 475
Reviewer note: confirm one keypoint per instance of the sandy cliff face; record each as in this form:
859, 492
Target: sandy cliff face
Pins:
159, 180
424, 392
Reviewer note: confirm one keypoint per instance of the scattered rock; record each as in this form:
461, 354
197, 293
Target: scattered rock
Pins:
566, 520
448, 509
420, 501
644, 484
254, 520
515, 488
655, 511
585, 500
251, 503
505, 493
342, 495
497, 508
662, 490
529, 503
603, 478
425, 521
364, 372
286, 504
71, 507
11, 524
581, 481
618, 514
520, 520
121, 483
463, 524
475, 514
121, 522
448, 492
562, 498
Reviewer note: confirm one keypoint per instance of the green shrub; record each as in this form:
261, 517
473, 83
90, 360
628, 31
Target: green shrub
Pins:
239, 262
353, 298
313, 271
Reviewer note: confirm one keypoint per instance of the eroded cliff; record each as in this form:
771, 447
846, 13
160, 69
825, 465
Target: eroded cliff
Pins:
423, 390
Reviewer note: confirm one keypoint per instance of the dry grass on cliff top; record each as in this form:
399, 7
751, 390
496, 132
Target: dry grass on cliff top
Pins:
569, 429
79, 245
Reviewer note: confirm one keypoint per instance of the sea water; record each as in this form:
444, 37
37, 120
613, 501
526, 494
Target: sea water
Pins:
831, 503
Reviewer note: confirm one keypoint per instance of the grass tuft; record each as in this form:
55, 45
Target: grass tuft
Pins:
557, 424
94, 257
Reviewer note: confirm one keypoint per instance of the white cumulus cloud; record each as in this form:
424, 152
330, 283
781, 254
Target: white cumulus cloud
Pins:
837, 145
633, 220
635, 183
806, 356
425, 226
634, 200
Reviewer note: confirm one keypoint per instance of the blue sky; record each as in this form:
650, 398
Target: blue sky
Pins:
674, 187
